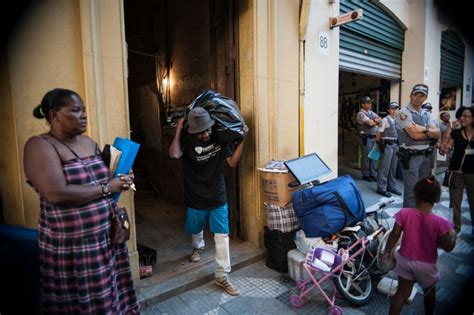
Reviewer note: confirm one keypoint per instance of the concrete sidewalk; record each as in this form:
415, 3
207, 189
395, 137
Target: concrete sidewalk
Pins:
265, 291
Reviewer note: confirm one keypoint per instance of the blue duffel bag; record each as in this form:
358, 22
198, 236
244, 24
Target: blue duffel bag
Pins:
327, 208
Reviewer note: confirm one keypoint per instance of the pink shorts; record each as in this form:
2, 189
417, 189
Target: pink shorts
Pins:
426, 274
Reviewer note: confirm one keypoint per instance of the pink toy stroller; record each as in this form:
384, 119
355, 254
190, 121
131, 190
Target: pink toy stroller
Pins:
321, 264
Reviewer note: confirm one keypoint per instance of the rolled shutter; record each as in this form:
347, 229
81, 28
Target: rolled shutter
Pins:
373, 45
452, 60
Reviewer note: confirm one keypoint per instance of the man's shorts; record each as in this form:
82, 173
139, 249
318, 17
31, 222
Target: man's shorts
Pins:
426, 274
218, 220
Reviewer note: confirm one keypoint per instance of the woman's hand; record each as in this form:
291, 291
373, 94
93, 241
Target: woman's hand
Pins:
121, 182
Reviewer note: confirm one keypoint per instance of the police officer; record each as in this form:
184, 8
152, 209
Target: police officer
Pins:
415, 128
434, 143
387, 140
367, 122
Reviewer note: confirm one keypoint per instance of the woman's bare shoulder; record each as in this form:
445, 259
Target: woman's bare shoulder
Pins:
87, 140
35, 141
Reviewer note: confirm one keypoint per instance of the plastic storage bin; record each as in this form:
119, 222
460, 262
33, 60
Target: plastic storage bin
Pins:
295, 265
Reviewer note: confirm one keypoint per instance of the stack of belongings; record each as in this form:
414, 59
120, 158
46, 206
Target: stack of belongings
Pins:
282, 222
322, 211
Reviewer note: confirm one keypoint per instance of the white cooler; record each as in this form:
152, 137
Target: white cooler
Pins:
296, 270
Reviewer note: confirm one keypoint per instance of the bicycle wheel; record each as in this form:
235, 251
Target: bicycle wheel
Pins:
355, 284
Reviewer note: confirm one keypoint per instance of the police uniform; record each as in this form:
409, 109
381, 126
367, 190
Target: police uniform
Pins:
414, 154
366, 141
433, 142
388, 159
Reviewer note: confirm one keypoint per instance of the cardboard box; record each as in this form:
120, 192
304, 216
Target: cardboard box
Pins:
275, 187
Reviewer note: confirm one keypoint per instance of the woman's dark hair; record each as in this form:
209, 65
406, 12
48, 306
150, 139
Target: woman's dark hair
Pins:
471, 109
53, 100
427, 189
459, 111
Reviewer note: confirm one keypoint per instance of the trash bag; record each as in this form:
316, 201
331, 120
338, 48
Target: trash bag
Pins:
229, 121
278, 244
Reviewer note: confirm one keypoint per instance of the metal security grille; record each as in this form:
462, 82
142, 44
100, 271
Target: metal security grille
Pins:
452, 60
373, 45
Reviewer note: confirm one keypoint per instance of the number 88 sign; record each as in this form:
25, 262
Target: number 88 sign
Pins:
323, 43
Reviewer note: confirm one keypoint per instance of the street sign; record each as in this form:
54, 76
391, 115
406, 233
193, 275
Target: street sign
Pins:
345, 18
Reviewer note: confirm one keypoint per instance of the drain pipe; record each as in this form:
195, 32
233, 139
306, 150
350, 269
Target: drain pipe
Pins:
304, 17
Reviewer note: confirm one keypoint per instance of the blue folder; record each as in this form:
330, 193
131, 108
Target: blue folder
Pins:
129, 153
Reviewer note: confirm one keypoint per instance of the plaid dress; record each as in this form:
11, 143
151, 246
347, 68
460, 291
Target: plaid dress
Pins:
81, 271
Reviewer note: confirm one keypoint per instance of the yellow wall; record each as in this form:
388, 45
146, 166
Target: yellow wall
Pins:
77, 45
10, 168
268, 53
44, 53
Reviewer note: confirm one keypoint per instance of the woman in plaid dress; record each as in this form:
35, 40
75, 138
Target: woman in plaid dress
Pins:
81, 271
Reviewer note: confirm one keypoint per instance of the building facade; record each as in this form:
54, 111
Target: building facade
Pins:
291, 70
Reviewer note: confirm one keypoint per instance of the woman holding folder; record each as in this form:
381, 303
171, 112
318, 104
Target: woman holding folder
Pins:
81, 271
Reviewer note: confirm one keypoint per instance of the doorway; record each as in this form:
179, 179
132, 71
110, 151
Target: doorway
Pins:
176, 49
352, 87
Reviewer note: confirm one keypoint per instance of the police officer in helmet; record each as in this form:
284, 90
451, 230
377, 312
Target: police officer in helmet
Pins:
415, 129
387, 140
367, 122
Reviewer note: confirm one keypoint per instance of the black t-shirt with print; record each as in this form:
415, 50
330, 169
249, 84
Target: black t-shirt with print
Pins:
203, 162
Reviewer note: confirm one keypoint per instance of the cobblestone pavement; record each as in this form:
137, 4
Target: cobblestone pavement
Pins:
264, 291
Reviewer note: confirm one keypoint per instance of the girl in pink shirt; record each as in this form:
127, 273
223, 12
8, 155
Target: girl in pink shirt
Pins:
423, 232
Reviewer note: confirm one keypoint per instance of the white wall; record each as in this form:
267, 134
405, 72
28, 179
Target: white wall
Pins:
321, 85
468, 76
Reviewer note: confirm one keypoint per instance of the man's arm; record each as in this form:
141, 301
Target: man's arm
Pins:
383, 125
417, 132
234, 159
448, 142
364, 119
175, 151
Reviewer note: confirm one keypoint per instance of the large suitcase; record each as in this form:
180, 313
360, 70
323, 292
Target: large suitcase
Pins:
278, 244
327, 208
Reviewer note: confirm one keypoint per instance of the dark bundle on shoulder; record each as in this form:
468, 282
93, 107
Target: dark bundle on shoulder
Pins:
229, 121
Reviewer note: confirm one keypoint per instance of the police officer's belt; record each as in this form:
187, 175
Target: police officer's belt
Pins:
417, 152
390, 141
367, 136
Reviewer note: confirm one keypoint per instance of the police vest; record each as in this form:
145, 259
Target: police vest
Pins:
363, 128
421, 119
391, 132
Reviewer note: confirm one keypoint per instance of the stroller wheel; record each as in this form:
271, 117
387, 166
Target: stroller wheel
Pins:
296, 300
335, 310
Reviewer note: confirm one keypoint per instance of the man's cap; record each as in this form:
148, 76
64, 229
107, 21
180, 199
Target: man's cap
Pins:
427, 106
199, 120
366, 99
420, 88
393, 105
